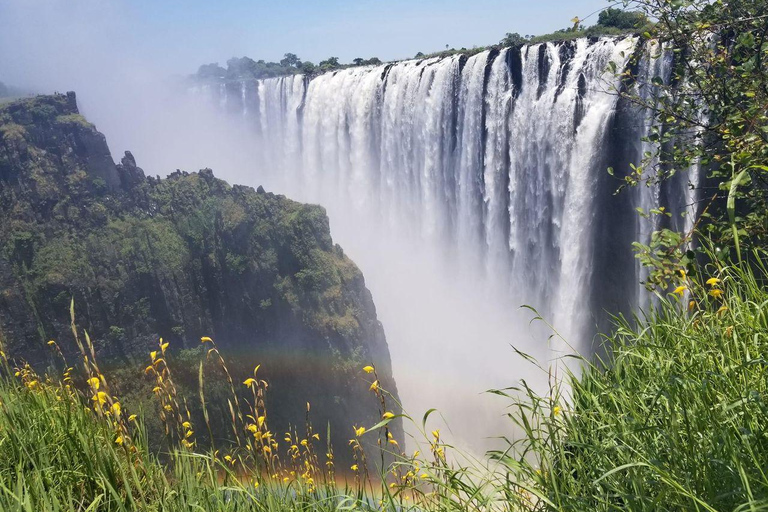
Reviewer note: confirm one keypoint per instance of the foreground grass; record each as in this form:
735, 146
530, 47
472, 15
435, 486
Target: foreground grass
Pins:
674, 418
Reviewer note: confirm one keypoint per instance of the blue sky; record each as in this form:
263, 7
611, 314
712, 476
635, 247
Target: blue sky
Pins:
178, 35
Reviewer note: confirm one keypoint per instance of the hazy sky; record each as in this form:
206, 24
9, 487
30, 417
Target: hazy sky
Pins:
39, 37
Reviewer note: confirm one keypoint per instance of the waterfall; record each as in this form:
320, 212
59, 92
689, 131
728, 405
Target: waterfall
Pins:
493, 167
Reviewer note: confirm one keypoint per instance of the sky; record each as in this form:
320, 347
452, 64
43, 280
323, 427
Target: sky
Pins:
55, 36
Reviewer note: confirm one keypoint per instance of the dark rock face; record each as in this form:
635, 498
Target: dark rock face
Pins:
182, 257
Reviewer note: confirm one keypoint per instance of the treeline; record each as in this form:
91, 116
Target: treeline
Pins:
610, 22
291, 64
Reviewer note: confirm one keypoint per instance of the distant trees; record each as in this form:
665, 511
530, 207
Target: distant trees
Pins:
245, 68
329, 64
291, 60
621, 19
513, 39
212, 70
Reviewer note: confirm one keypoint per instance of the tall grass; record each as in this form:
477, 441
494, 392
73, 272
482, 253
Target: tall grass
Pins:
675, 417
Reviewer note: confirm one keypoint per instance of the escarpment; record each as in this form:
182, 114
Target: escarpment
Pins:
179, 258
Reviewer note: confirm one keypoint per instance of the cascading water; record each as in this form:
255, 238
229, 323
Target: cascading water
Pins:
481, 179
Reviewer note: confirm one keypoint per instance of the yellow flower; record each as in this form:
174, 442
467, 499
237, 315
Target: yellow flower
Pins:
132, 417
116, 408
260, 420
228, 458
94, 382
368, 369
252, 428
153, 354
722, 309
387, 415
303, 442
249, 382
374, 386
163, 346
119, 441
100, 397
359, 431
680, 290
556, 410
691, 305
436, 433
51, 343
316, 436
206, 339
716, 293
168, 407
353, 467
156, 389
713, 281
186, 424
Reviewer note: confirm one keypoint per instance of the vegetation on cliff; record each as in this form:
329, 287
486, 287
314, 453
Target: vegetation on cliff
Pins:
177, 258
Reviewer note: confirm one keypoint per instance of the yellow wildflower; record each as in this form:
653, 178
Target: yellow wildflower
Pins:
94, 382
316, 436
116, 408
716, 293
374, 386
186, 424
51, 343
132, 417
163, 346
387, 415
119, 441
100, 397
368, 369
153, 354
206, 339
303, 442
680, 290
252, 428
556, 410
359, 431
354, 467
436, 433
249, 382
261, 421
713, 281
722, 309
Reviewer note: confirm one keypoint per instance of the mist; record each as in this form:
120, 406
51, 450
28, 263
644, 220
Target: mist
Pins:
449, 332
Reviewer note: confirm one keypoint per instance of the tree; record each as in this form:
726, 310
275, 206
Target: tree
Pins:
713, 111
329, 63
513, 39
373, 61
307, 67
212, 70
419, 55
358, 61
291, 60
621, 19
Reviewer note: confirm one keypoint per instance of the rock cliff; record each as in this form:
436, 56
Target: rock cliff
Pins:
178, 258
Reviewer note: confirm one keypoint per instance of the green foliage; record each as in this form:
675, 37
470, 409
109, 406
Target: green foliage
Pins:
621, 19
674, 418
713, 112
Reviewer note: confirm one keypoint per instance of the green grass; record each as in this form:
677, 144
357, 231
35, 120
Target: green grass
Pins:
675, 418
